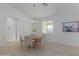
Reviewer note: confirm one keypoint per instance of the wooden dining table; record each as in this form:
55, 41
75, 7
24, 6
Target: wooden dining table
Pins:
37, 41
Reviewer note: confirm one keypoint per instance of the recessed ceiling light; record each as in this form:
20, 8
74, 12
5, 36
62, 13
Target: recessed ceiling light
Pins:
34, 5
45, 4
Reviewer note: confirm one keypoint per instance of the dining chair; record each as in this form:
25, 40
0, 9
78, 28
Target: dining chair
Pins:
28, 42
21, 41
44, 37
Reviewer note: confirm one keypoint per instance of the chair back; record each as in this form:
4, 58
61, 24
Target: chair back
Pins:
28, 40
44, 36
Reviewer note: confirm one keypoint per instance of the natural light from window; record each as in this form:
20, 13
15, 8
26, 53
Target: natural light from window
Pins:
47, 27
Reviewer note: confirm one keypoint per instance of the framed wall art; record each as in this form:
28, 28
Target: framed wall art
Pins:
71, 26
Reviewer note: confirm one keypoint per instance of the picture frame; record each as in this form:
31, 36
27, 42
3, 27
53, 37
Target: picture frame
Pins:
71, 26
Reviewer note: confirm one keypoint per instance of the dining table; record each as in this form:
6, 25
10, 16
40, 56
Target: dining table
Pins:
37, 41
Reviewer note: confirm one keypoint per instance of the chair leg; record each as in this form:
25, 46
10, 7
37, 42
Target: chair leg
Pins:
21, 44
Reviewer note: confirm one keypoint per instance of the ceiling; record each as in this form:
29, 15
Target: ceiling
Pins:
34, 10
39, 10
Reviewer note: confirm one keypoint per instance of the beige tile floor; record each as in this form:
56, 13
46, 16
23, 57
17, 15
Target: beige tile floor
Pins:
49, 49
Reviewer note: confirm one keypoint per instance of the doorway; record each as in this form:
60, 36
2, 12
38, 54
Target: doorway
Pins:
12, 33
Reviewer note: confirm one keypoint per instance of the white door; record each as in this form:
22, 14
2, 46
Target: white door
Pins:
11, 30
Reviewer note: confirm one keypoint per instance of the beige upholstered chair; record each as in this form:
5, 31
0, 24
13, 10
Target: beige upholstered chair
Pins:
21, 41
28, 41
44, 37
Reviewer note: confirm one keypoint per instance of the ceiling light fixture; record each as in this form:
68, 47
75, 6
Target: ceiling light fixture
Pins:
43, 4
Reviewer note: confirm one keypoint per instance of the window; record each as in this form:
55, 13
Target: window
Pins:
47, 27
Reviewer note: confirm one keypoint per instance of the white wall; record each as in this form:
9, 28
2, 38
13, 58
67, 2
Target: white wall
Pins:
25, 27
5, 12
65, 13
69, 38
